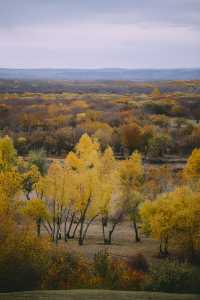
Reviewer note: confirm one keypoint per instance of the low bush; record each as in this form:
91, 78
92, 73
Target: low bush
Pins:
66, 271
23, 263
116, 273
138, 262
26, 263
173, 276
101, 263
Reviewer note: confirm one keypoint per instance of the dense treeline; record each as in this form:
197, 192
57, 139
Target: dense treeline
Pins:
41, 206
97, 86
156, 122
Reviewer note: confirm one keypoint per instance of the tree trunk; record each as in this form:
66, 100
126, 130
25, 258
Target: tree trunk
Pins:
163, 250
57, 233
65, 229
48, 229
166, 247
75, 229
88, 224
65, 226
28, 196
80, 240
103, 231
104, 222
109, 240
70, 227
82, 222
54, 221
137, 238
53, 230
38, 222
160, 248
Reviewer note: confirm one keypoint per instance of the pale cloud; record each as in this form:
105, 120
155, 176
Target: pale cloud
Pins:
100, 34
93, 35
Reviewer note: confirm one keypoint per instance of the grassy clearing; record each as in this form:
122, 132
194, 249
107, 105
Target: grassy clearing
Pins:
95, 295
123, 245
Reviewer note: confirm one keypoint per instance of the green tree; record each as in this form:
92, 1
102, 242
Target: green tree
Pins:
38, 158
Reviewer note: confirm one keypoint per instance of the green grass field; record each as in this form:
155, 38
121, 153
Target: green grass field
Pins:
95, 295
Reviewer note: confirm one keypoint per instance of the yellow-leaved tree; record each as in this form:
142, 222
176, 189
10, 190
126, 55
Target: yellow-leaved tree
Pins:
10, 185
131, 180
10, 179
174, 217
84, 164
54, 190
191, 172
36, 210
8, 154
72, 191
110, 204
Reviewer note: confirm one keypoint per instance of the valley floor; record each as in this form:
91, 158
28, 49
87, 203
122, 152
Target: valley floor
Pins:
123, 243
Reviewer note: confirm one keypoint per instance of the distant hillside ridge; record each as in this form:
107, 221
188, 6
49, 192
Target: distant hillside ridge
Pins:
101, 74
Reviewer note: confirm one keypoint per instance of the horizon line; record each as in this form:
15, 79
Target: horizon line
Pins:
97, 68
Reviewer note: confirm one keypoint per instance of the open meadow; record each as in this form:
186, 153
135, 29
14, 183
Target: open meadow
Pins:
123, 243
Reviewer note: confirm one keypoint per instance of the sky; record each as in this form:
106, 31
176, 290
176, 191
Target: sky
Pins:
99, 33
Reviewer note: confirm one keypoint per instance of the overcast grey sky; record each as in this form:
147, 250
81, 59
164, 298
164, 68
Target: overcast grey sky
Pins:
99, 33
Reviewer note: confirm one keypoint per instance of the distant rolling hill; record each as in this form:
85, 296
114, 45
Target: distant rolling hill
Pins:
101, 74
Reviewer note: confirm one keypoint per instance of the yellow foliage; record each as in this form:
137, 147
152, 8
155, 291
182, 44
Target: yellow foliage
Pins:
10, 184
174, 216
92, 174
57, 185
35, 209
131, 171
7, 153
192, 168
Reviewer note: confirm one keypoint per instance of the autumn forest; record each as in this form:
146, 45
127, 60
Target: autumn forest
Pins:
100, 186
